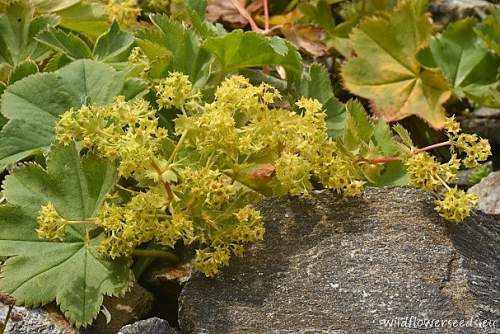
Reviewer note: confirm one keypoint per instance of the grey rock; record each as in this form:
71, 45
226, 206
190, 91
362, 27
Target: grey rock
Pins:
487, 113
489, 192
488, 128
336, 265
446, 11
465, 176
135, 305
149, 326
35, 321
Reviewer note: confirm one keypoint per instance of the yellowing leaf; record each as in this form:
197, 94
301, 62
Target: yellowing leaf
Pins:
386, 71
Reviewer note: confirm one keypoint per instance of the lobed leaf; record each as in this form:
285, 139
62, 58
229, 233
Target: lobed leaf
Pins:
71, 272
18, 27
466, 62
238, 50
34, 104
69, 44
386, 71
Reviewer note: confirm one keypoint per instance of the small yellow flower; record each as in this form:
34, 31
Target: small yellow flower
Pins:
456, 205
50, 224
125, 12
174, 91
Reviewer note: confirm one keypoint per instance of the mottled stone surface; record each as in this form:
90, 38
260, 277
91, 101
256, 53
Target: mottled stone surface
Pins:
35, 321
334, 265
446, 11
489, 191
488, 128
135, 305
148, 326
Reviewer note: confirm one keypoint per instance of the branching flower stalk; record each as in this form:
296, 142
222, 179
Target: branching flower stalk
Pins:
426, 173
196, 186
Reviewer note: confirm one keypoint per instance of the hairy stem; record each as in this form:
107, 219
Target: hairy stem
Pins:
431, 147
383, 160
266, 15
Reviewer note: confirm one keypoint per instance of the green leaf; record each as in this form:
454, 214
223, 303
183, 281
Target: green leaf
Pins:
316, 84
135, 88
198, 6
238, 50
69, 44
365, 139
489, 31
114, 45
18, 27
86, 17
72, 272
34, 104
465, 60
179, 48
383, 139
404, 135
319, 13
358, 127
48, 6
22, 70
386, 71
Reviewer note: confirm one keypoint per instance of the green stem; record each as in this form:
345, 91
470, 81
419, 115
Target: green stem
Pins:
443, 182
177, 147
155, 253
382, 160
87, 221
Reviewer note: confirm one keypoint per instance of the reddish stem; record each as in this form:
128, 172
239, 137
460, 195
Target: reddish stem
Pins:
168, 190
266, 15
379, 160
243, 12
431, 147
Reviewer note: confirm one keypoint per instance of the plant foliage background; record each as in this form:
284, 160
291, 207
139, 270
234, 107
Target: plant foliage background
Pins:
133, 130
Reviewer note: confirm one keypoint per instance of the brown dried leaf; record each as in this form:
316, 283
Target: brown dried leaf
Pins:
225, 11
308, 38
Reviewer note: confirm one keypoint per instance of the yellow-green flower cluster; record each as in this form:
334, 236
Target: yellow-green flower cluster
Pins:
125, 12
175, 91
427, 173
244, 123
127, 131
206, 187
142, 219
456, 205
210, 261
159, 5
228, 240
51, 225
140, 61
294, 173
197, 189
475, 148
